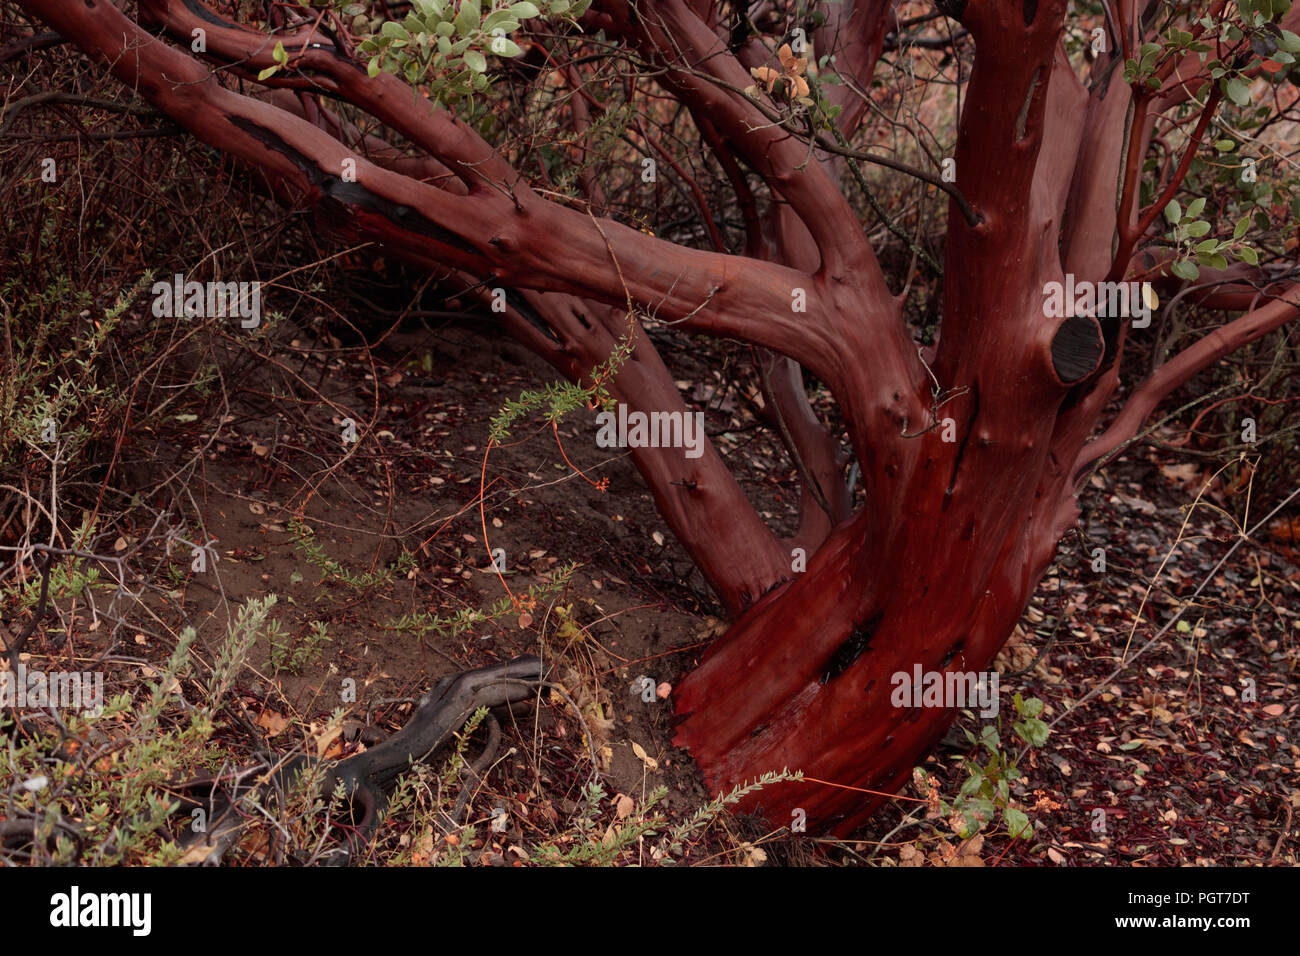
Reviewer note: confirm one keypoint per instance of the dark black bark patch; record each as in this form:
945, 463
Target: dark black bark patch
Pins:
203, 13
952, 652
520, 305
853, 647
1076, 348
340, 201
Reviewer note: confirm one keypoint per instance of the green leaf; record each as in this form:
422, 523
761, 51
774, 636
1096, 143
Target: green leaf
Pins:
1209, 245
1032, 731
1213, 260
1018, 824
372, 68
983, 808
475, 61
1237, 91
1185, 269
1174, 212
1225, 145
268, 72
989, 738
1131, 745
467, 18
1196, 207
1248, 255
1197, 229
1243, 224
1033, 707
506, 48
393, 30
524, 10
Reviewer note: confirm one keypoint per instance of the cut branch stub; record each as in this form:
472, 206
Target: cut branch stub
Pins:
1077, 348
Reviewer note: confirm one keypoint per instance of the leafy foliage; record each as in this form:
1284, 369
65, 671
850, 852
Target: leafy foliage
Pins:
986, 792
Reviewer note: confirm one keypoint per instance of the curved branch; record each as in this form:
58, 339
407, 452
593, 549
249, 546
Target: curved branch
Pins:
1129, 236
703, 74
1179, 369
489, 232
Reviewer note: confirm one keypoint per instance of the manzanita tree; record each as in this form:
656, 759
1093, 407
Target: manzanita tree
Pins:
1080, 141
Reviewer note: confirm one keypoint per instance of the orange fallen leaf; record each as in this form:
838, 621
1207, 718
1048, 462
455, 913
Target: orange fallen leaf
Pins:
270, 721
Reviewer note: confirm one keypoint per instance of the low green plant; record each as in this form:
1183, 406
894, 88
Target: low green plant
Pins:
292, 656
106, 801
304, 539
453, 625
986, 793
592, 844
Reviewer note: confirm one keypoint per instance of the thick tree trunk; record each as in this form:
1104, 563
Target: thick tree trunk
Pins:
803, 680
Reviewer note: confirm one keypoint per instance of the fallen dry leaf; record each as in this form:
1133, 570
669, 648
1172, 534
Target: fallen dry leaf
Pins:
327, 740
644, 757
272, 722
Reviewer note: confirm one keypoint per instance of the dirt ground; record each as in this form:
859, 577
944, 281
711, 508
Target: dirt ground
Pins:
1182, 770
